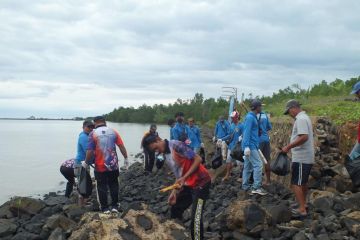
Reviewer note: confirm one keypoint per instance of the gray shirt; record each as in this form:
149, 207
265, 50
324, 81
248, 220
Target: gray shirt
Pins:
304, 153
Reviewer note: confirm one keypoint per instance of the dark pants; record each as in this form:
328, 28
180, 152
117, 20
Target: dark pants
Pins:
105, 180
68, 173
196, 198
149, 160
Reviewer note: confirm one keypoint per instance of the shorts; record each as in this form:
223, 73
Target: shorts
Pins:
300, 173
266, 150
229, 159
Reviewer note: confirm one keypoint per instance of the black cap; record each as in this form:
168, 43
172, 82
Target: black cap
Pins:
99, 118
179, 114
88, 123
291, 104
255, 104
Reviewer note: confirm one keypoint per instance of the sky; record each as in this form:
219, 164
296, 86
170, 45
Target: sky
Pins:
69, 58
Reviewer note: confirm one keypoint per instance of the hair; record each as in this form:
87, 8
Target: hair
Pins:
149, 140
171, 122
153, 126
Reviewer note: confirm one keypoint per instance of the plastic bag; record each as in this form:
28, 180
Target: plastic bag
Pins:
85, 183
202, 155
281, 165
217, 160
353, 168
160, 160
237, 153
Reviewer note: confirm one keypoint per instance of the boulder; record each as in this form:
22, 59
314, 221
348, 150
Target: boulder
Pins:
59, 221
57, 234
26, 205
56, 200
351, 225
7, 227
247, 216
74, 211
279, 213
315, 194
5, 211
25, 236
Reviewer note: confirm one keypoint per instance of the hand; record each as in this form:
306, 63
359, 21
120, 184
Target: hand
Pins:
172, 198
202, 145
126, 163
181, 181
285, 149
84, 165
240, 138
247, 152
214, 139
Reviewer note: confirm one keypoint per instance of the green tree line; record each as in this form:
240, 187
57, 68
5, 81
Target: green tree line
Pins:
204, 110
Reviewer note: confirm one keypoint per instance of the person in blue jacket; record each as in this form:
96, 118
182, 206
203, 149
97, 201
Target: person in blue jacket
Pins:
235, 136
171, 124
250, 144
222, 129
181, 130
194, 136
264, 140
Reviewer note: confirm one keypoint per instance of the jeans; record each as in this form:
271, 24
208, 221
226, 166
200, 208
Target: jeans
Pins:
253, 164
355, 153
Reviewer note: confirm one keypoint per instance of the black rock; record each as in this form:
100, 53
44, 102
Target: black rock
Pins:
57, 234
300, 236
7, 227
178, 235
279, 213
144, 222
254, 216
56, 200
239, 236
127, 234
26, 236
34, 227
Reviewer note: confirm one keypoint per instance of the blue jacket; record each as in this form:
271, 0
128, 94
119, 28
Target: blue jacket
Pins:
181, 131
265, 126
251, 132
222, 129
82, 146
235, 132
172, 133
194, 136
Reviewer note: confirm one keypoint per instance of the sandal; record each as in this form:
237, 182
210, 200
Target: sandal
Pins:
297, 214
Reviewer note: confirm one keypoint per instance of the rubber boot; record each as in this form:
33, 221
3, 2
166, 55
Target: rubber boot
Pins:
69, 189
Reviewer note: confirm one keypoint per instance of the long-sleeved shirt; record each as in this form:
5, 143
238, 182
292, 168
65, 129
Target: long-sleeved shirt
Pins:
236, 130
265, 126
194, 136
222, 129
82, 146
251, 132
181, 132
172, 133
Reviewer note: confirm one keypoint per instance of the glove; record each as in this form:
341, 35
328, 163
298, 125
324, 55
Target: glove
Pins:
240, 139
247, 152
84, 165
214, 139
219, 143
202, 145
126, 163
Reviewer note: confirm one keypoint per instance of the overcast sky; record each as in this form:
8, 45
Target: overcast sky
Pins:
70, 58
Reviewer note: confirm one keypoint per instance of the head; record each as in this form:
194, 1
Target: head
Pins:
88, 126
99, 120
191, 122
153, 128
292, 108
154, 144
256, 106
221, 118
171, 123
179, 116
356, 90
235, 117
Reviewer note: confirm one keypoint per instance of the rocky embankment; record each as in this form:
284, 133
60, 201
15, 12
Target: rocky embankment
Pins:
230, 213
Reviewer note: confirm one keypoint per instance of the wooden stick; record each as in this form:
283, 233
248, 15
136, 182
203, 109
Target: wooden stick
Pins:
169, 188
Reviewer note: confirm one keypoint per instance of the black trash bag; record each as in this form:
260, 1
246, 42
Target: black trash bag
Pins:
202, 155
237, 153
281, 165
217, 160
160, 160
353, 168
85, 183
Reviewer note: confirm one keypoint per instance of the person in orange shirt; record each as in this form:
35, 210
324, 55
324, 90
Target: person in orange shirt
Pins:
102, 142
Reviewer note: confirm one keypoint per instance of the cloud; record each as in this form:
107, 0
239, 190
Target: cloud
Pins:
63, 54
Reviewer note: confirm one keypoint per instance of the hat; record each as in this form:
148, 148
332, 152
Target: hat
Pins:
255, 104
191, 119
88, 123
356, 88
291, 104
179, 114
234, 114
99, 118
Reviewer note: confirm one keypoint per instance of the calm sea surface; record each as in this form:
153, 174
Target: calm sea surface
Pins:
31, 153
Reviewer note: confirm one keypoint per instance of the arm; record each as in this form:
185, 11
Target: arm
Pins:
247, 133
198, 135
300, 140
216, 127
268, 126
196, 163
90, 149
89, 156
123, 151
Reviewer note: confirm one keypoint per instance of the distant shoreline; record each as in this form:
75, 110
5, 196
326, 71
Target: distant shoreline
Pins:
42, 119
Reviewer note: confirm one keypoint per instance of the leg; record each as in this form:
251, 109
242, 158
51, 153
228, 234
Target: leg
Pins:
257, 166
246, 174
197, 211
300, 198
224, 150
266, 150
299, 179
183, 201
355, 153
101, 184
151, 161
68, 173
146, 157
228, 166
113, 182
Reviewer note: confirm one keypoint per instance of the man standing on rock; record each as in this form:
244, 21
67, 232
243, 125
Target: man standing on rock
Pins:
102, 143
264, 141
171, 124
222, 129
250, 144
192, 177
181, 130
303, 156
194, 136
149, 155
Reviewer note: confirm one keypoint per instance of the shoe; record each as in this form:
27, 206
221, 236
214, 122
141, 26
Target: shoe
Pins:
106, 211
114, 210
259, 191
298, 215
